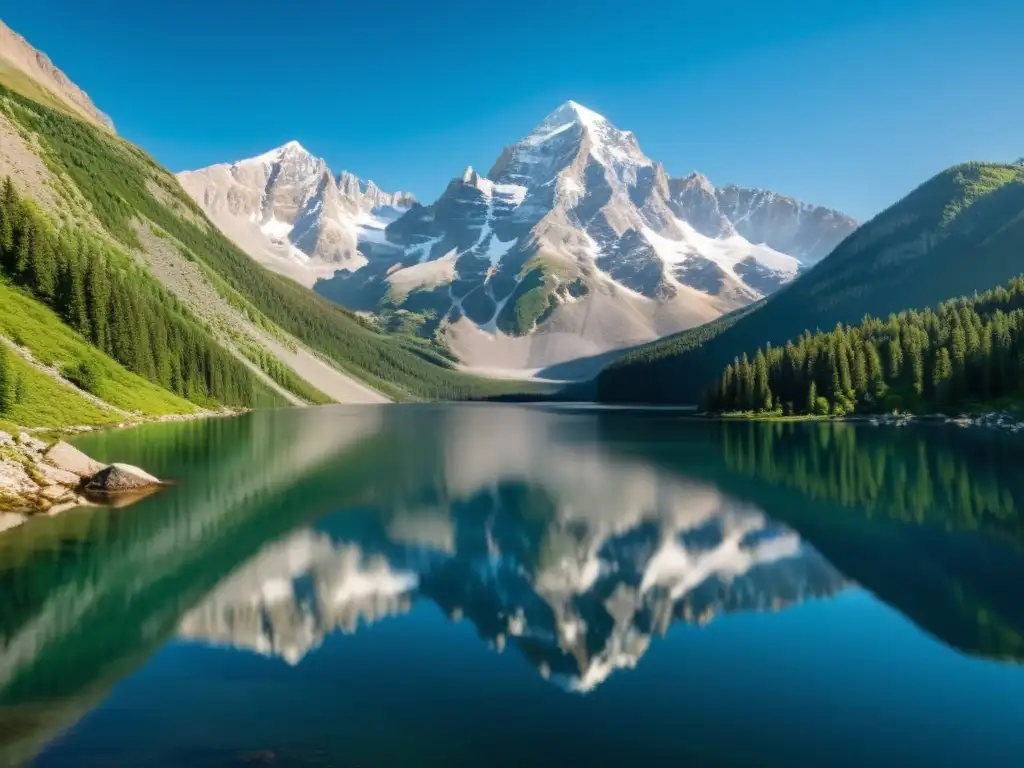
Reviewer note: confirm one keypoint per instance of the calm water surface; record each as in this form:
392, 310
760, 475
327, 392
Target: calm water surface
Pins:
491, 585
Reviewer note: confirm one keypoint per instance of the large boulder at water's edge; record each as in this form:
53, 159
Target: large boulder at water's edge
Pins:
121, 478
70, 459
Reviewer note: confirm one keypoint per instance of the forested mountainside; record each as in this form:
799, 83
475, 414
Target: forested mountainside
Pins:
960, 232
967, 351
102, 295
140, 282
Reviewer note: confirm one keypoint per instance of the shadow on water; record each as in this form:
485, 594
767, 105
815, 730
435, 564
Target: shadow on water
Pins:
575, 537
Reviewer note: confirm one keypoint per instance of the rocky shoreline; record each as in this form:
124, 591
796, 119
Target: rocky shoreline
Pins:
221, 413
36, 478
1001, 421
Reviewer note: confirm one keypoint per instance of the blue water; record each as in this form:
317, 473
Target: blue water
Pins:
420, 595
842, 682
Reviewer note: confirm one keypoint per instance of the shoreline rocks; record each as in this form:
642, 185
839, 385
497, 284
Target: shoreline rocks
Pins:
39, 479
996, 420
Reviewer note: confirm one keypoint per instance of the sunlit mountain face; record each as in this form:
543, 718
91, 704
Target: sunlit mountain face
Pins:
575, 558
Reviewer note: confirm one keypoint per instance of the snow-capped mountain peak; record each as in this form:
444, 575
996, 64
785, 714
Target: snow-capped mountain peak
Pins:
696, 179
471, 177
291, 150
573, 232
571, 215
562, 141
610, 145
588, 116
594, 124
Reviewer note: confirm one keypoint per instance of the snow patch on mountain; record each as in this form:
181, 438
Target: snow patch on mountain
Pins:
726, 252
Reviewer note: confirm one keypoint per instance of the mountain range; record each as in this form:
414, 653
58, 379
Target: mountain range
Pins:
291, 213
575, 249
575, 243
960, 232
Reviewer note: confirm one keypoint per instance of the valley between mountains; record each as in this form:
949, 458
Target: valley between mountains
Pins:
129, 293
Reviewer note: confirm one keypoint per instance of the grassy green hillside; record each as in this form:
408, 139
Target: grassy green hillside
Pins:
30, 398
116, 184
962, 231
31, 325
100, 293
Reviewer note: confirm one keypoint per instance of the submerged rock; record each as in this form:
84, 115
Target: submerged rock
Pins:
121, 478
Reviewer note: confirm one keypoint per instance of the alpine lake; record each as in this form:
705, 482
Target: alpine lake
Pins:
491, 585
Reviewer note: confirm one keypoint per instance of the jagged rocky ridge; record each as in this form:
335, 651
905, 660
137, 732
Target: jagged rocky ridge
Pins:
573, 244
292, 213
806, 232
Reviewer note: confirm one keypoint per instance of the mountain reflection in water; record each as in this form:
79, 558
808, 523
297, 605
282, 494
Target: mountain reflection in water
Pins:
579, 590
573, 538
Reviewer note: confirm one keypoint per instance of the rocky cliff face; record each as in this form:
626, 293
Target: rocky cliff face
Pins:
806, 232
16, 53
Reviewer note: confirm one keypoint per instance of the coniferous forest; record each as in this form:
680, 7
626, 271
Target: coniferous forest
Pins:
966, 352
100, 294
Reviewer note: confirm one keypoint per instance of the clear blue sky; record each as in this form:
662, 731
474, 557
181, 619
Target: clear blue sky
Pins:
848, 103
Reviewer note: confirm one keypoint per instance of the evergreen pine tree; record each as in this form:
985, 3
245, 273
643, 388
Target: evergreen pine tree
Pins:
7, 382
762, 392
97, 291
941, 374
859, 373
895, 358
